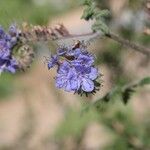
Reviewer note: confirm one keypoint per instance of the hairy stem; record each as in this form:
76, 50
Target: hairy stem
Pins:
124, 42
127, 43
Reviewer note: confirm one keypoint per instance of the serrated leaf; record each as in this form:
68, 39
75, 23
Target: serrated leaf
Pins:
88, 13
102, 14
86, 2
100, 25
107, 98
144, 81
126, 94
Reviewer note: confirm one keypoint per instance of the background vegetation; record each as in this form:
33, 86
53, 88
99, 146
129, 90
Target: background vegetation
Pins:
79, 123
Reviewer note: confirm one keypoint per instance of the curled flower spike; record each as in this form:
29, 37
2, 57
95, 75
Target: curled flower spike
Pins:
75, 70
14, 53
32, 33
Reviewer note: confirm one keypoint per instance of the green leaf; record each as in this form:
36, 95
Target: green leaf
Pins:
102, 14
100, 25
144, 81
88, 13
126, 94
87, 2
127, 91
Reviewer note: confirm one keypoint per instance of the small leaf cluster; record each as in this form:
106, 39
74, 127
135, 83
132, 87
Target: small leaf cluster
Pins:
124, 92
92, 12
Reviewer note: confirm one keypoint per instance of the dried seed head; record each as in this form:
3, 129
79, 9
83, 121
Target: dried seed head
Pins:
42, 33
62, 30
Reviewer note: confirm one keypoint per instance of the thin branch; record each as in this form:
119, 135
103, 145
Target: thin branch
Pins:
78, 35
127, 43
60, 33
88, 36
128, 88
124, 42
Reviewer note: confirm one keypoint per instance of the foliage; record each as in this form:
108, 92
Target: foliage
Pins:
124, 92
19, 11
93, 12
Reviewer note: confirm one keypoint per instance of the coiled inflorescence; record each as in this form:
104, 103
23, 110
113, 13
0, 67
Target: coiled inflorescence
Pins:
15, 54
16, 46
75, 70
31, 33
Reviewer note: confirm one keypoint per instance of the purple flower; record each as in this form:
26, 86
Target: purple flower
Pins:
4, 49
66, 77
13, 34
76, 71
61, 51
2, 33
7, 41
76, 78
9, 65
83, 59
53, 61
13, 31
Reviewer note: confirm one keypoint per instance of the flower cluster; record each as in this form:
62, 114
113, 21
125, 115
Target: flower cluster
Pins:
75, 70
7, 42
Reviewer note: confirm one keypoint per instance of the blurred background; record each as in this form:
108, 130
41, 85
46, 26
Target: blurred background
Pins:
34, 115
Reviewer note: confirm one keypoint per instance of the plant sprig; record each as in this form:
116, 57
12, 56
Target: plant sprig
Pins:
125, 92
92, 12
